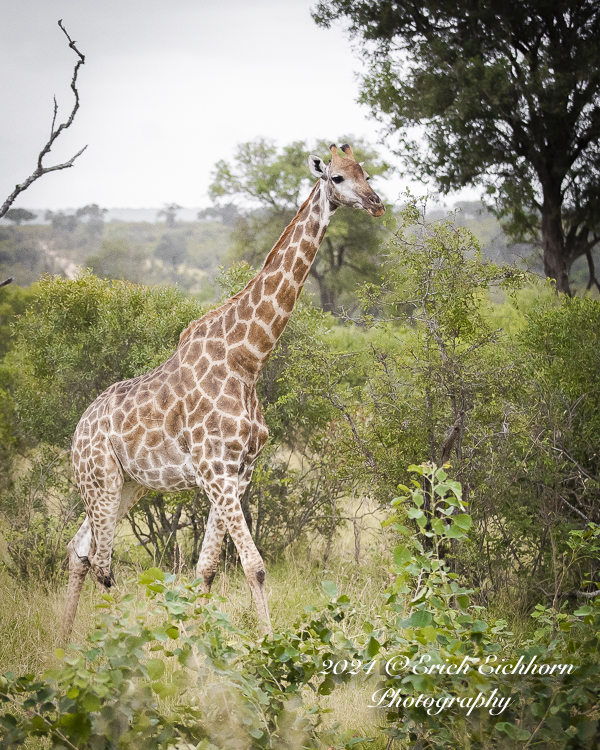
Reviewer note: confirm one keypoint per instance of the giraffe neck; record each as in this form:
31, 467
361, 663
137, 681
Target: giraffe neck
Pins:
264, 307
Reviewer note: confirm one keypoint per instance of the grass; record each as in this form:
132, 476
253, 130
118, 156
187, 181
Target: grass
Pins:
30, 616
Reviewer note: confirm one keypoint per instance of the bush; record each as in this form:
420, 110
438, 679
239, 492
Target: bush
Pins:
457, 678
83, 335
193, 678
40, 511
170, 669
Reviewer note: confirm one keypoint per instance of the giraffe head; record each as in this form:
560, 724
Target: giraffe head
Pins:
346, 181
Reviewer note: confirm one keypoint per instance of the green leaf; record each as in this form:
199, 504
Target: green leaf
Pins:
155, 668
330, 589
402, 555
463, 521
418, 619
327, 686
514, 732
164, 690
455, 532
91, 702
288, 653
152, 574
183, 679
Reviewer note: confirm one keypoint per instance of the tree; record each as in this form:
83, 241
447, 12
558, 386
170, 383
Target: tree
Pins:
55, 132
227, 214
509, 96
61, 222
172, 249
19, 215
271, 181
119, 259
93, 217
170, 214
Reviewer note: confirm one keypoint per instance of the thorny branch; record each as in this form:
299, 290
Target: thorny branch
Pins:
55, 132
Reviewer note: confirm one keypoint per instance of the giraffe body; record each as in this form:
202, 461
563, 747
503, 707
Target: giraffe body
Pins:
196, 420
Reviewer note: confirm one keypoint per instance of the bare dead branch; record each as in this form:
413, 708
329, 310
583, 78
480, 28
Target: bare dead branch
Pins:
55, 132
7, 281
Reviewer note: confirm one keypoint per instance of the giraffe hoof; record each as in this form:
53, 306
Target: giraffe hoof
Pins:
104, 578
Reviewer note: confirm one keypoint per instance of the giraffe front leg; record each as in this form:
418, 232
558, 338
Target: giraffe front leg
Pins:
252, 563
226, 513
211, 549
227, 505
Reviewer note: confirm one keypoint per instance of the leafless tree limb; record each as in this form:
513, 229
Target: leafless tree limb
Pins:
6, 281
55, 132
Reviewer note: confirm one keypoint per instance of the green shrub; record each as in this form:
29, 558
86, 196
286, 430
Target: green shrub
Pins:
81, 336
193, 678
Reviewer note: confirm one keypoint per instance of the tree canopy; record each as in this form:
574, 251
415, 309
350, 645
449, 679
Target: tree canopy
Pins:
268, 183
19, 215
509, 96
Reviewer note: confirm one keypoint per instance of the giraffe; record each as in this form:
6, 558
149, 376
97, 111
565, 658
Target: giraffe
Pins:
195, 421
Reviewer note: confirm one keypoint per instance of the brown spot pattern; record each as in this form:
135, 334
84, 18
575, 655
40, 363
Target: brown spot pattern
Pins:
195, 420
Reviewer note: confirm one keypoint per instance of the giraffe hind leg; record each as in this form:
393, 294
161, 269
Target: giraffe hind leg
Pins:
129, 494
78, 550
81, 549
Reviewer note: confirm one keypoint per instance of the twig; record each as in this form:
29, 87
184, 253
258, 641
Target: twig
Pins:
574, 509
541, 724
43, 718
55, 132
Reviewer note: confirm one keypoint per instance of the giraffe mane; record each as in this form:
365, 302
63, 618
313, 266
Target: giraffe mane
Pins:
287, 231
187, 332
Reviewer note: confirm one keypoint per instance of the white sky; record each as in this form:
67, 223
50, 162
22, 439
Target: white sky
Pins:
168, 89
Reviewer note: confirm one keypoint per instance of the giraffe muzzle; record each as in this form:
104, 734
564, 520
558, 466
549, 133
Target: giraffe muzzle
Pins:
374, 206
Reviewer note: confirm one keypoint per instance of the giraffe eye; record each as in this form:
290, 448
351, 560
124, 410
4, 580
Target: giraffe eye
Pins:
337, 179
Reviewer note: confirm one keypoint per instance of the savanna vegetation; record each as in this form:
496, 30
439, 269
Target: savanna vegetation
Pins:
429, 500
374, 554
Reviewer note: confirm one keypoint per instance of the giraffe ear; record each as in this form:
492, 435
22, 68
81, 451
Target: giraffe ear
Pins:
317, 167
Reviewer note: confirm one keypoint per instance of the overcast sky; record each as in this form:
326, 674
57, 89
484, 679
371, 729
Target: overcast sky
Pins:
168, 89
